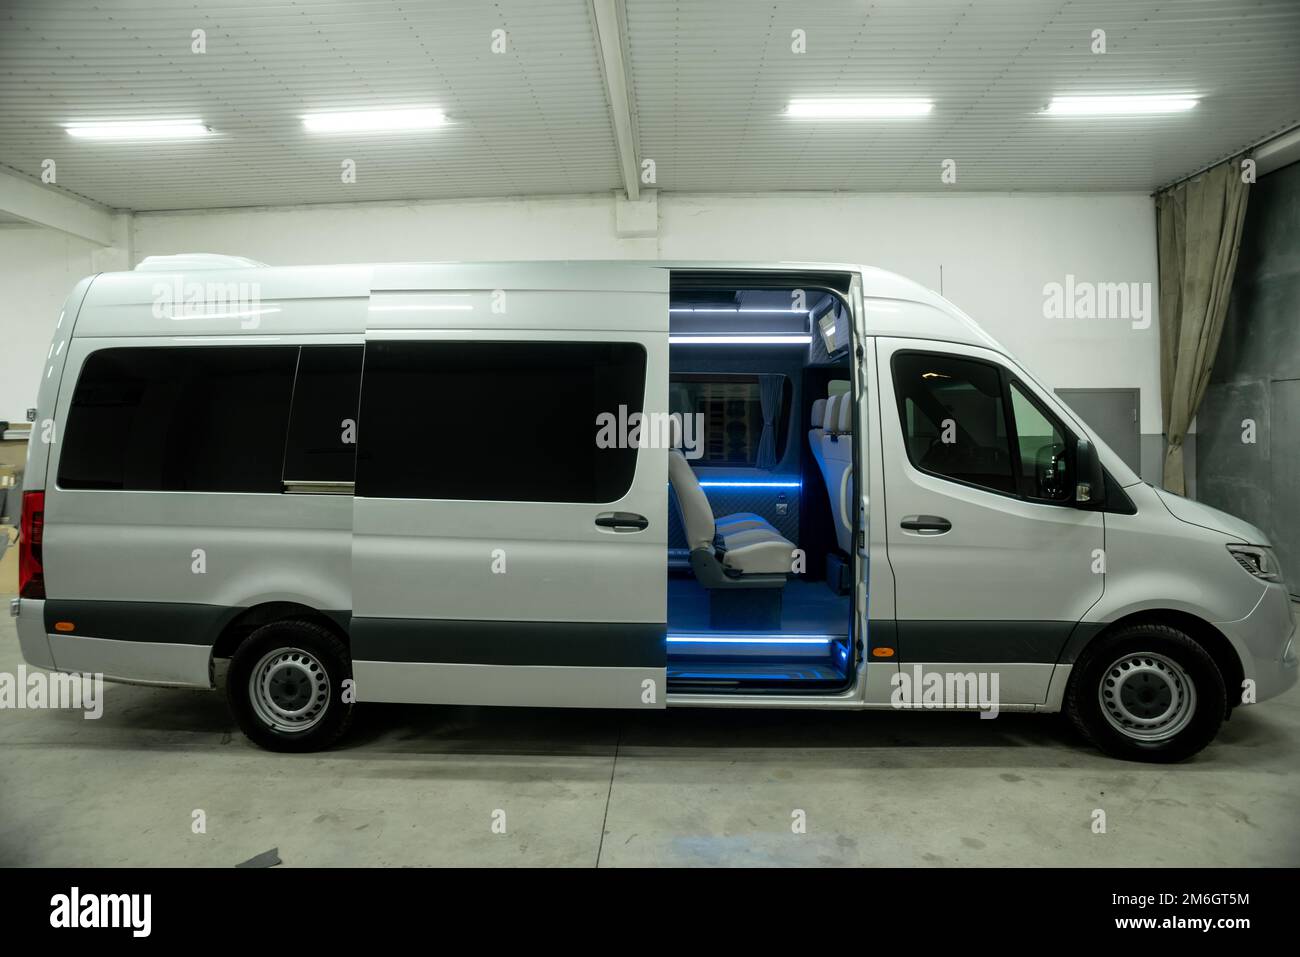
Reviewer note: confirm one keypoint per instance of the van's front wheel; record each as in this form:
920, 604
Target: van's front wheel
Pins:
1147, 692
286, 686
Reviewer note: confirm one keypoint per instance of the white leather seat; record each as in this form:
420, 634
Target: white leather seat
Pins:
815, 430
740, 521
758, 551
748, 544
837, 466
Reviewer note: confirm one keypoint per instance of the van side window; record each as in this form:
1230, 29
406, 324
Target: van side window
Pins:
323, 425
179, 419
734, 414
496, 421
1044, 451
954, 419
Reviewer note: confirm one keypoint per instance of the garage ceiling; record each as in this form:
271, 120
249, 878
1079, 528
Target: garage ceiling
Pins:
709, 79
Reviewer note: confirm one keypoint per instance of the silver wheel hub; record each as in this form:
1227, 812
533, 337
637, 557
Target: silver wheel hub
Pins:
289, 690
1147, 697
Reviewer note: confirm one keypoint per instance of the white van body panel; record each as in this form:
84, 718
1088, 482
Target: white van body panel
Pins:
245, 303
163, 663
1156, 560
44, 432
205, 557
430, 560
33, 640
1010, 579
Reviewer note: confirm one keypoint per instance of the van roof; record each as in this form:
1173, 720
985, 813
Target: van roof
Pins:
114, 305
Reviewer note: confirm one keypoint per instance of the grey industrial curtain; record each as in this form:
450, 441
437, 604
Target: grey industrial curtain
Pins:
1198, 232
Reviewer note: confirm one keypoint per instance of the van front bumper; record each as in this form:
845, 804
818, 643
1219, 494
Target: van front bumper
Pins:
29, 615
1266, 641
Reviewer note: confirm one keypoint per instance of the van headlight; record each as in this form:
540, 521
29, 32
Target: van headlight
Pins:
1258, 560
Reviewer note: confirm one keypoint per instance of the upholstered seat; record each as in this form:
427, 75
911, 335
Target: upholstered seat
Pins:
836, 461
816, 429
743, 543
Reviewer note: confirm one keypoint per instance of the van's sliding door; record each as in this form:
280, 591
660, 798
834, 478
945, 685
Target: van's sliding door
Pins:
509, 531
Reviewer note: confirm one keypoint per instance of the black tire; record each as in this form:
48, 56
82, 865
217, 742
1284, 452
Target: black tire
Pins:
304, 650
1139, 667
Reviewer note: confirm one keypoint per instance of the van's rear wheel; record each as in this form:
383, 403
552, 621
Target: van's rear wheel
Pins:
1147, 692
285, 686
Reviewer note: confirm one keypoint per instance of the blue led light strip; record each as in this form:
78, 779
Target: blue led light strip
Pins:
703, 638
749, 485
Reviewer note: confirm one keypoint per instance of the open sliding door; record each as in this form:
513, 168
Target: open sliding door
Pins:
509, 525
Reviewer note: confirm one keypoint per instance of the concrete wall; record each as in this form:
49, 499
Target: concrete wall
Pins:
992, 254
1247, 425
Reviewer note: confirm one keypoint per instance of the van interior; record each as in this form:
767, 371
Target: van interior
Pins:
762, 482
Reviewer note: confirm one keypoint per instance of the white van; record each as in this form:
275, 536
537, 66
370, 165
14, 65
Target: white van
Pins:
610, 485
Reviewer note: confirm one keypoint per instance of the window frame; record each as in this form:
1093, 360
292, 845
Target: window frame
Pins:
302, 485
366, 493
1005, 378
781, 427
1071, 440
126, 346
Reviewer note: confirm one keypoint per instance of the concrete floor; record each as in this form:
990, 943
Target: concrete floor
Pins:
419, 786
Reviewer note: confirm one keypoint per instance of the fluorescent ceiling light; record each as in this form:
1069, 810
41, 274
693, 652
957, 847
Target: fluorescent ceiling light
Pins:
739, 340
858, 109
374, 121
1119, 105
139, 130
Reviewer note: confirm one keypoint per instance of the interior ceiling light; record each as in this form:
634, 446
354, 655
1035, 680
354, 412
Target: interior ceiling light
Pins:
1119, 105
739, 340
374, 121
139, 130
733, 310
868, 109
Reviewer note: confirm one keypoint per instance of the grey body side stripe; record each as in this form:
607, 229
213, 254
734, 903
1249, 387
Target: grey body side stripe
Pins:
163, 622
572, 644
174, 623
983, 641
1083, 633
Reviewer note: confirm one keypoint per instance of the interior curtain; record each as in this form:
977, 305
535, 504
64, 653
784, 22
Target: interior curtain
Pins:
1198, 232
769, 396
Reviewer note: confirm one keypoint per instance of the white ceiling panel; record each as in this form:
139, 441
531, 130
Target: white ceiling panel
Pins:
532, 120
710, 80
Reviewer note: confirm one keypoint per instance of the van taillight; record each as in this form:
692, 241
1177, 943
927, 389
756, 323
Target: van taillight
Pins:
31, 568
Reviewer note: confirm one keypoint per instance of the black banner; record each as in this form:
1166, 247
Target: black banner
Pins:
943, 906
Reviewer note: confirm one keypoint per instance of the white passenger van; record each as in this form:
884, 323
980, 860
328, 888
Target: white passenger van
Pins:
610, 485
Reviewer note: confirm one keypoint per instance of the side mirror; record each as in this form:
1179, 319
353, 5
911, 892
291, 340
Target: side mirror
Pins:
1090, 481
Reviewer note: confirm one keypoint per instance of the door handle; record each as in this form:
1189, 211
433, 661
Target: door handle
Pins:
622, 521
844, 508
926, 524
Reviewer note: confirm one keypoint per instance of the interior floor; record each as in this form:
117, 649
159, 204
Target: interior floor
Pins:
810, 649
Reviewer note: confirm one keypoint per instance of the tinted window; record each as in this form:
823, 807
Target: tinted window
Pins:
954, 420
497, 421
197, 419
732, 413
322, 429
1044, 451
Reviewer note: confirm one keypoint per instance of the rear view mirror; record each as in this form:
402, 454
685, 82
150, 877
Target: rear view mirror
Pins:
1090, 484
